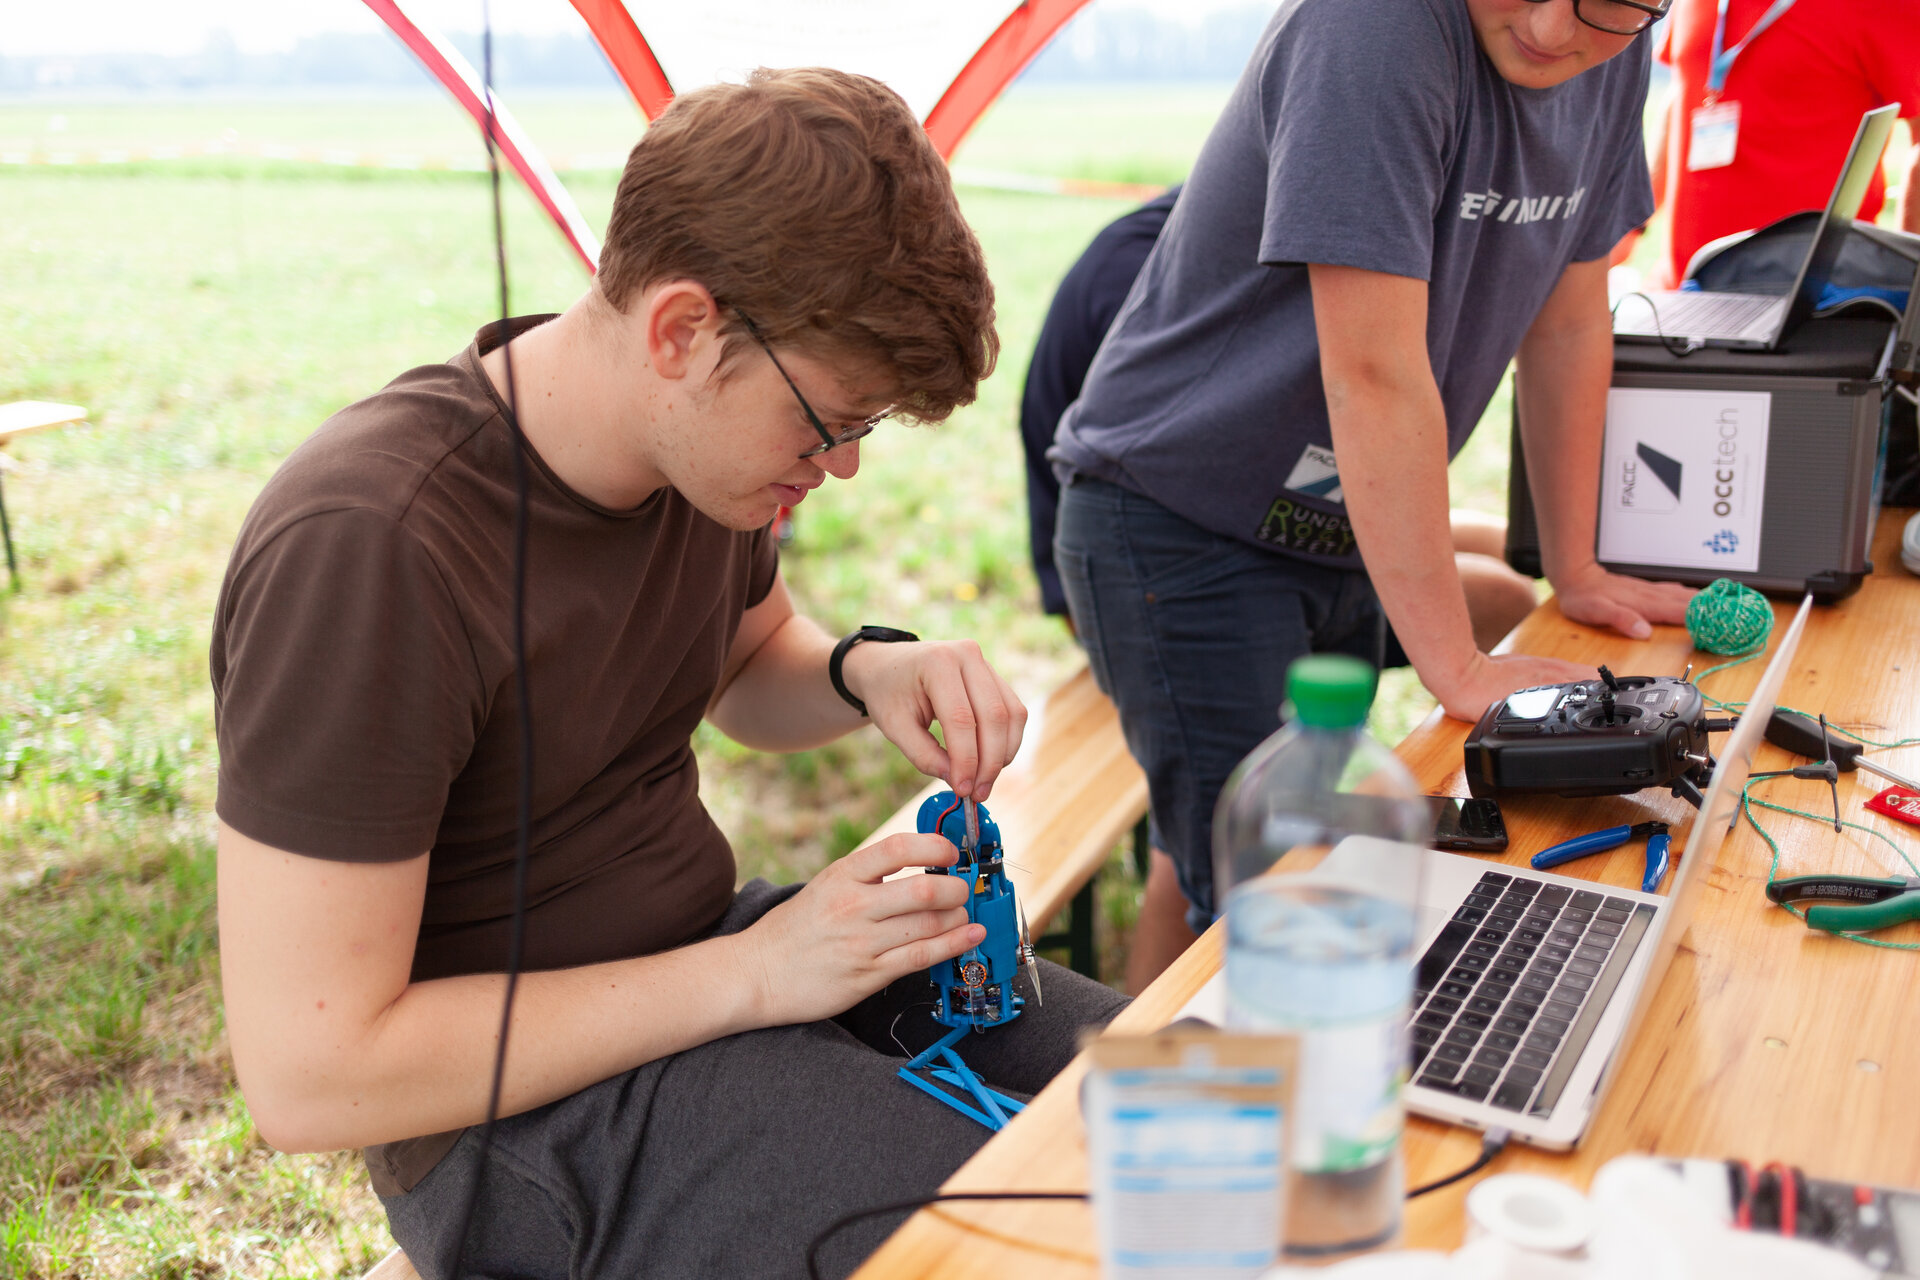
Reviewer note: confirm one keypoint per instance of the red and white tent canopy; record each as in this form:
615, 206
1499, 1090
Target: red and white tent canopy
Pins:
948, 58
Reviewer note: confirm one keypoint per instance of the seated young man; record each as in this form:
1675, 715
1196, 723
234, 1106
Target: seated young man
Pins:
1398, 197
698, 1078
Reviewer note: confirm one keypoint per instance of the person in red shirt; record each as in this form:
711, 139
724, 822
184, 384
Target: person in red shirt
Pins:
1766, 137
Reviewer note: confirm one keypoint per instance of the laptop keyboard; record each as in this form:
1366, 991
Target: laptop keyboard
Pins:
1507, 996
1710, 314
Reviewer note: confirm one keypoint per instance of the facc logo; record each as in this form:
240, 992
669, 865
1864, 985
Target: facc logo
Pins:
1658, 489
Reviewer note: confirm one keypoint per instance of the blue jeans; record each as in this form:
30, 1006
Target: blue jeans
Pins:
1191, 633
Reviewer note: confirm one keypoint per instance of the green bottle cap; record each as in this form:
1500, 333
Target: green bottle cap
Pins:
1331, 690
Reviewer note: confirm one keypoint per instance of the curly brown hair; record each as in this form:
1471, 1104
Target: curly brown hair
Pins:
811, 200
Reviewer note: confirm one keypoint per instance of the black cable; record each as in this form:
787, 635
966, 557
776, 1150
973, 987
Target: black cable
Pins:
1678, 348
1490, 1146
516, 936
920, 1202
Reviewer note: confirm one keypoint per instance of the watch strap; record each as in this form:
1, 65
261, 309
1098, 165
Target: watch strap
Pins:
885, 635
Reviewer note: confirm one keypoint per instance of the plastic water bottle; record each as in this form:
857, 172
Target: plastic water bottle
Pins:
1317, 841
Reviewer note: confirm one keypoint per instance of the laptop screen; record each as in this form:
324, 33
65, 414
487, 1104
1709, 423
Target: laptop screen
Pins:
1863, 159
1721, 805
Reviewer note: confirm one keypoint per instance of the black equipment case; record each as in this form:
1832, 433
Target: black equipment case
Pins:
1842, 434
1829, 385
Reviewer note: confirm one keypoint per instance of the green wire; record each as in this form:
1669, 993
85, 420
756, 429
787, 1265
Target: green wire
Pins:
1748, 800
1737, 707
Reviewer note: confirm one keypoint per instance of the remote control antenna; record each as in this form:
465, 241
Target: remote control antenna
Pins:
1832, 770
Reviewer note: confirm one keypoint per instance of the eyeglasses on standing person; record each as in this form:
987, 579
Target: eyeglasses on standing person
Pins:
828, 439
1617, 17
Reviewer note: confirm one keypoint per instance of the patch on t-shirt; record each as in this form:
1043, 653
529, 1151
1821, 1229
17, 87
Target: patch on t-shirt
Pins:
1298, 527
1316, 475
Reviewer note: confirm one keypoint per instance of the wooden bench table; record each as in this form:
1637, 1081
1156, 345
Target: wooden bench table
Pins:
1766, 1040
23, 418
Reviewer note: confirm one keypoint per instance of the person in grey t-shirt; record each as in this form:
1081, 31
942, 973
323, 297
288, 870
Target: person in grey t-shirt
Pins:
1399, 196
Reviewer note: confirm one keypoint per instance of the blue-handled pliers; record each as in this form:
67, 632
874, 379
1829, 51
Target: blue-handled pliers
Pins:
1655, 834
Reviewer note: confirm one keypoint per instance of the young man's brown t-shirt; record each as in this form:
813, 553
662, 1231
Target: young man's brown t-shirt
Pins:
365, 702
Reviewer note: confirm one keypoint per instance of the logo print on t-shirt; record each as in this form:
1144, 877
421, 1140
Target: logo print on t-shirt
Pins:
1305, 529
1496, 207
1316, 475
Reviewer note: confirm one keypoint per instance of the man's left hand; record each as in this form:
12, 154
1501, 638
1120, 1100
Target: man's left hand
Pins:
908, 686
1628, 605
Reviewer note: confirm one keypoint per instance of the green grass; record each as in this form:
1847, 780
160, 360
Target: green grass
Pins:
209, 317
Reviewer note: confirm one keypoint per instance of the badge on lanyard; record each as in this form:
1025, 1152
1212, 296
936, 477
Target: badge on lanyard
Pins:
1715, 132
1715, 135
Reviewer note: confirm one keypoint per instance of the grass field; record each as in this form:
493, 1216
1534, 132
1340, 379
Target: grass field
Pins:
210, 314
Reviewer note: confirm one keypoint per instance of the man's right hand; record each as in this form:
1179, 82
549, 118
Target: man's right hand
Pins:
1487, 679
851, 931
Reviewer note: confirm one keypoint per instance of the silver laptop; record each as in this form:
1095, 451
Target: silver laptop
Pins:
1530, 982
1760, 321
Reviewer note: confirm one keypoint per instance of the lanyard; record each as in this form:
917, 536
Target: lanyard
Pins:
1722, 62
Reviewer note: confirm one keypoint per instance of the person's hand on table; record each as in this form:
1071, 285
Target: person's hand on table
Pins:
1487, 678
907, 687
1592, 595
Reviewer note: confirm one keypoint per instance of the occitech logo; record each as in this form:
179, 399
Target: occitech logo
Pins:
1726, 461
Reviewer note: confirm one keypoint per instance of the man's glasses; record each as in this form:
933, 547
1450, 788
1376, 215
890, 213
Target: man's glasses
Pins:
1618, 17
828, 439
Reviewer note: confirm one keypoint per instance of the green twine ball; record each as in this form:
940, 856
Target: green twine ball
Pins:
1728, 618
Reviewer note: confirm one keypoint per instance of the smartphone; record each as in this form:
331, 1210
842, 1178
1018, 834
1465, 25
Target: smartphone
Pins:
1471, 826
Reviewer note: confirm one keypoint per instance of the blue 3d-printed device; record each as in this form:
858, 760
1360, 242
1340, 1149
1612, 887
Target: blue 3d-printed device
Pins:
976, 987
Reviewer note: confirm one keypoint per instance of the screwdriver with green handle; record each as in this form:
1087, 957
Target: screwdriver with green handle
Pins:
1864, 902
1803, 737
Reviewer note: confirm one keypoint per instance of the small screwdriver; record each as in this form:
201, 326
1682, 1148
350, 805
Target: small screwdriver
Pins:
1802, 736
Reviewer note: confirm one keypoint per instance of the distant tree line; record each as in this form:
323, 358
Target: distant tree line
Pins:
1105, 43
1116, 43
334, 60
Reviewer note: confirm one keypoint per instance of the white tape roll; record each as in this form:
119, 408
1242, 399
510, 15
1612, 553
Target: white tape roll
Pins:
1530, 1211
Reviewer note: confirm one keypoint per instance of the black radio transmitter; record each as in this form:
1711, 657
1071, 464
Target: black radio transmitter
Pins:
1605, 737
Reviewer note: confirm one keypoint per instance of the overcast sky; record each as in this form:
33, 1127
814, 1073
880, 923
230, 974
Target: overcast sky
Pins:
262, 26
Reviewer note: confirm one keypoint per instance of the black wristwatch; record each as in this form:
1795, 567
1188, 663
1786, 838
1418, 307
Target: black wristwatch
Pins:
886, 635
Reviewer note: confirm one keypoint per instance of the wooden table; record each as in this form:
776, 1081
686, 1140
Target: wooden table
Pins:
23, 418
1766, 1041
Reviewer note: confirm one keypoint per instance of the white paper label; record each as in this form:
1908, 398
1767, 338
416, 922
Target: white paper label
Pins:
1184, 1186
1714, 137
1683, 478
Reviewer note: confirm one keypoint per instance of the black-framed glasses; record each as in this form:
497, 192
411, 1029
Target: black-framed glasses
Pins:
1618, 17
828, 439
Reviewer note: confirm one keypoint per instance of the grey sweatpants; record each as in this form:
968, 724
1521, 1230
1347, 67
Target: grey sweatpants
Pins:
726, 1160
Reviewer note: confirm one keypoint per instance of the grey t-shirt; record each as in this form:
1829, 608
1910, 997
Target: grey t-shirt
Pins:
1363, 133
